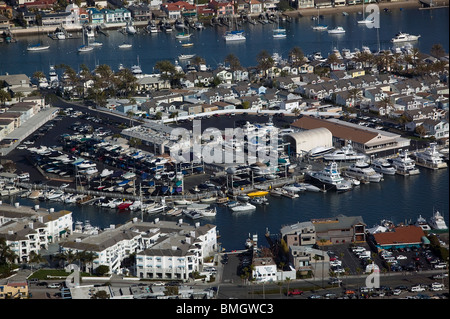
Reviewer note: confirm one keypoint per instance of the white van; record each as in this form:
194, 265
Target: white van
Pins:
417, 288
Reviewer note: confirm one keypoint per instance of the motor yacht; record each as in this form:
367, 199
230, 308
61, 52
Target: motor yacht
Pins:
437, 221
404, 37
430, 158
337, 30
383, 166
346, 153
243, 207
403, 164
361, 170
329, 177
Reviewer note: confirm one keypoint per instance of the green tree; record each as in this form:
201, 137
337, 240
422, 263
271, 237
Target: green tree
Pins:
437, 51
265, 61
4, 96
233, 61
296, 56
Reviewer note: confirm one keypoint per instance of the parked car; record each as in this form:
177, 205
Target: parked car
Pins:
401, 257
294, 292
54, 285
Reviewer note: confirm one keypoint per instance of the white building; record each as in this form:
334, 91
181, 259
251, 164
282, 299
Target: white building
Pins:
264, 270
176, 250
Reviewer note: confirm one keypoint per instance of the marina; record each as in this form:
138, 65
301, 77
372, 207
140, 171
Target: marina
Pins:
117, 171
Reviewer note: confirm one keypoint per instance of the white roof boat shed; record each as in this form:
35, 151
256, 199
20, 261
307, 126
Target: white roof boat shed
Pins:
304, 141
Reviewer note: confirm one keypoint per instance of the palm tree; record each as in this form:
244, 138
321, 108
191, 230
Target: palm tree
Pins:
296, 56
166, 68
126, 82
265, 61
233, 61
7, 255
35, 258
38, 75
4, 96
437, 51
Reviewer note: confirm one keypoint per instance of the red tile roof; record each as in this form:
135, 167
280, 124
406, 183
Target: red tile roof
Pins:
400, 235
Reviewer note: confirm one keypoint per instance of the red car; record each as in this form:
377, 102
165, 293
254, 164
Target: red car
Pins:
295, 292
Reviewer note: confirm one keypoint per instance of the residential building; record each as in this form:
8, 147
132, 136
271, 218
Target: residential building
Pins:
299, 234
222, 8
175, 249
14, 290
264, 269
119, 15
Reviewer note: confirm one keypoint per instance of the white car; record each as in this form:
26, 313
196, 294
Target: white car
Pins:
396, 292
400, 257
54, 285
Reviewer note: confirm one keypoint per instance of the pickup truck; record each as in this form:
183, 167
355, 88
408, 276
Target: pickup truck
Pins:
294, 292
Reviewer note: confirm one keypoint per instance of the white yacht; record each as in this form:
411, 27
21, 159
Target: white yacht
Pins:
430, 158
404, 37
422, 223
383, 166
337, 30
330, 177
437, 221
9, 190
346, 153
130, 29
403, 164
243, 207
235, 36
362, 170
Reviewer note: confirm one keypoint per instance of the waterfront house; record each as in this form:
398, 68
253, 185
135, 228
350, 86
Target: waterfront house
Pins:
223, 8
439, 129
14, 83
255, 7
96, 16
323, 3
119, 15
140, 12
302, 4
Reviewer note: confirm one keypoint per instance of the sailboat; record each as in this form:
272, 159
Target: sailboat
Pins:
39, 46
84, 47
365, 20
279, 32
234, 35
319, 27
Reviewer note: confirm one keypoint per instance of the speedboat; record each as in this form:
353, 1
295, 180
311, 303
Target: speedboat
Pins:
208, 212
125, 46
330, 177
362, 170
346, 153
193, 214
125, 205
430, 158
259, 201
245, 207
337, 30
437, 221
403, 164
186, 56
383, 166
404, 37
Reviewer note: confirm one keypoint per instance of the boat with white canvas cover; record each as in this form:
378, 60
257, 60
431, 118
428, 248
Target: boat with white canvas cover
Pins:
243, 207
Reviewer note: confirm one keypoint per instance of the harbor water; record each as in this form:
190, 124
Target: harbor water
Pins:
397, 198
431, 25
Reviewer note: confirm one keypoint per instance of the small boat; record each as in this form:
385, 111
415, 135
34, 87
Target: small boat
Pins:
276, 192
289, 194
259, 201
337, 30
344, 13
182, 202
320, 27
188, 44
208, 200
183, 35
125, 205
125, 46
186, 56
192, 214
245, 207
38, 47
383, 166
208, 212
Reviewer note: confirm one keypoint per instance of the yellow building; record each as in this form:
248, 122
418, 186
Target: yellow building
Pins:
14, 290
356, 73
